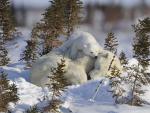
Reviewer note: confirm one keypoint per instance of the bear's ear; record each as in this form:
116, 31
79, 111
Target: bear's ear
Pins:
103, 54
106, 55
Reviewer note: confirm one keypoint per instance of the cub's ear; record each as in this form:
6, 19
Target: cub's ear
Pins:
104, 55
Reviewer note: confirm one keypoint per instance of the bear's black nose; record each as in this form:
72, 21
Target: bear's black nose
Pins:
95, 57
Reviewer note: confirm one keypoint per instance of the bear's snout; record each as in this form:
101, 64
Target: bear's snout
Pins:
96, 57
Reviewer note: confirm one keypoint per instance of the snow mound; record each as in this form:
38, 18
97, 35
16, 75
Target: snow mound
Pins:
85, 92
29, 95
77, 99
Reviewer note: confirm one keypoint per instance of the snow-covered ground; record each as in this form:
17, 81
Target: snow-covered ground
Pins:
77, 98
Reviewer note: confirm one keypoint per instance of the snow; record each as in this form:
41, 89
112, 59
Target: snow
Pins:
16, 46
97, 108
77, 98
28, 94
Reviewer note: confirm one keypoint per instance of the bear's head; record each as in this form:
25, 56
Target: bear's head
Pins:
92, 50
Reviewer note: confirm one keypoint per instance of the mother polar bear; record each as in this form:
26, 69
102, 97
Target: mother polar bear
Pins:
79, 53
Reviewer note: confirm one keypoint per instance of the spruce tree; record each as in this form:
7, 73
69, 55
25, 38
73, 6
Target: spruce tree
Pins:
72, 17
123, 58
57, 84
111, 42
6, 20
141, 46
7, 29
116, 83
60, 18
138, 77
8, 92
29, 55
52, 25
4, 60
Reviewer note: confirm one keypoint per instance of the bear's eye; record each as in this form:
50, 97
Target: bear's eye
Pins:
91, 52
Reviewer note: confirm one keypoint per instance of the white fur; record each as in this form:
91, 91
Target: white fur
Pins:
102, 65
80, 41
76, 71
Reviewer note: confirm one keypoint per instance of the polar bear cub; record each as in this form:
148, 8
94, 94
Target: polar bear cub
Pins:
102, 64
81, 41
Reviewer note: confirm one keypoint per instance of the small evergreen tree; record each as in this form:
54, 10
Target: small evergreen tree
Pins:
72, 17
137, 74
123, 58
8, 93
33, 44
116, 83
111, 45
35, 33
141, 44
7, 29
4, 60
60, 18
111, 42
6, 20
57, 85
29, 54
52, 25
136, 79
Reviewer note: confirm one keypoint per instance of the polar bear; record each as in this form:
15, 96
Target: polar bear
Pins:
80, 41
102, 65
76, 71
